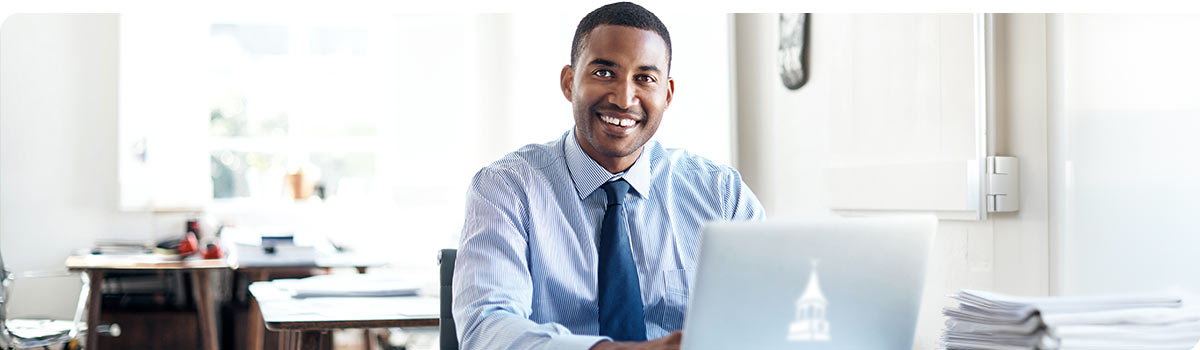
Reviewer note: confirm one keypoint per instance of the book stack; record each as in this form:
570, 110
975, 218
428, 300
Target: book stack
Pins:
987, 320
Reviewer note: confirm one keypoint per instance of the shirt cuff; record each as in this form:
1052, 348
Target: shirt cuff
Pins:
574, 342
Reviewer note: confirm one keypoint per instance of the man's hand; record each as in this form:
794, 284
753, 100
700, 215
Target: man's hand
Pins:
668, 342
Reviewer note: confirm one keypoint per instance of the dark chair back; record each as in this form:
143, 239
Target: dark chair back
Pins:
449, 337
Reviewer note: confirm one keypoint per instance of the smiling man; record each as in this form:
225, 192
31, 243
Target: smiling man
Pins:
588, 242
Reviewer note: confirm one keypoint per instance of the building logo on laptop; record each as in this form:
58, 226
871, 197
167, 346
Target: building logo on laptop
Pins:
810, 323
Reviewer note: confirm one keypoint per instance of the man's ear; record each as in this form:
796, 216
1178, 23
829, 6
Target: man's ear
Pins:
566, 81
670, 91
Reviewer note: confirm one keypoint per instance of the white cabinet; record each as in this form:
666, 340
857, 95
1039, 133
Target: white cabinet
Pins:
909, 114
162, 128
1122, 154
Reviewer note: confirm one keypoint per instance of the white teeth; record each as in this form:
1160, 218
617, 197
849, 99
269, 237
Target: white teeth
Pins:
617, 121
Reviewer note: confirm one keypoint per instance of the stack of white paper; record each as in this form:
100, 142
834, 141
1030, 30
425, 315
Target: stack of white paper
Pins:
987, 320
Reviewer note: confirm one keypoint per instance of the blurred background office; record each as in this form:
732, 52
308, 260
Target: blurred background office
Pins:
367, 128
363, 128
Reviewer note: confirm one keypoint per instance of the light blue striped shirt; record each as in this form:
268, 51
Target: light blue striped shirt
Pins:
525, 274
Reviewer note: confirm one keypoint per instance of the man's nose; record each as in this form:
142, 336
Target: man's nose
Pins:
624, 95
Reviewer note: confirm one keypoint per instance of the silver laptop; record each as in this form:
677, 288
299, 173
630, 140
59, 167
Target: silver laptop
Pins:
829, 283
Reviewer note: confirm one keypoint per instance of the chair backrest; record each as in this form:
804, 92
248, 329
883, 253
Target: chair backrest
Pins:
5, 282
448, 337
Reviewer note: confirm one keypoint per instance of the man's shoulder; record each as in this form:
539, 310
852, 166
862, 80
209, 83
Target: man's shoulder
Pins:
682, 163
534, 157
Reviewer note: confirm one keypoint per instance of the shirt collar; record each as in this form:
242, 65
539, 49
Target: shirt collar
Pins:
589, 175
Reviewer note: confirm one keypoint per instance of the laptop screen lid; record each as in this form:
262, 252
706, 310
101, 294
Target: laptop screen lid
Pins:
828, 283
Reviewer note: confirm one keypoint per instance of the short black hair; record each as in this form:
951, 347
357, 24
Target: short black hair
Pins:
621, 14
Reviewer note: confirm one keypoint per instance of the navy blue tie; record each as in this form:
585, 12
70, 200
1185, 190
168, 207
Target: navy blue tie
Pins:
620, 294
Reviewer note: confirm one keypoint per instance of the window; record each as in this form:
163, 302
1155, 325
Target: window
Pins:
297, 98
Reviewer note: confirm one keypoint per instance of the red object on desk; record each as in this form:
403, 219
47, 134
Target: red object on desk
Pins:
189, 245
212, 251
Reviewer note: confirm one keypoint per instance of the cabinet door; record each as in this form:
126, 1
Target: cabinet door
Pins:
909, 115
1122, 154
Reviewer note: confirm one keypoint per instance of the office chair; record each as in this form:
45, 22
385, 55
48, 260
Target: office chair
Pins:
448, 337
41, 333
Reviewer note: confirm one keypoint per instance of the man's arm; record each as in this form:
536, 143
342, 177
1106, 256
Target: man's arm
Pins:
740, 201
667, 342
492, 283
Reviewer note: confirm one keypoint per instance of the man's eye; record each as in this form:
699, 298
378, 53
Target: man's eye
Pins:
646, 78
603, 73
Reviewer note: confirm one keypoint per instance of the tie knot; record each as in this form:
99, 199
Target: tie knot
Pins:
616, 191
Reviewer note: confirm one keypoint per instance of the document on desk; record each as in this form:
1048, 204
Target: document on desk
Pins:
278, 306
348, 286
987, 320
361, 308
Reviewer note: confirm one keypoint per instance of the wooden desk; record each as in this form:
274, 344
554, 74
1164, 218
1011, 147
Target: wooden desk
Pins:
96, 265
303, 322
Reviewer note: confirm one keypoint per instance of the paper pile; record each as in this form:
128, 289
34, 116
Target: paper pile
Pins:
348, 285
987, 320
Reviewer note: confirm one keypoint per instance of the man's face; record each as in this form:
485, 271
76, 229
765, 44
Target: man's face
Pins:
618, 90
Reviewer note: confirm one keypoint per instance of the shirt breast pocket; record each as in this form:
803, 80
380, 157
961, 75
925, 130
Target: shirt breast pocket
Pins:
675, 297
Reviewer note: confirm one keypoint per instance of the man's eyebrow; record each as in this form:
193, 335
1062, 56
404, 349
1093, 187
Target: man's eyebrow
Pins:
603, 62
607, 63
649, 68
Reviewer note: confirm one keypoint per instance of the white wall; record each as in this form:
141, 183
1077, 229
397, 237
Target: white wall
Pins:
1021, 243
783, 147
58, 113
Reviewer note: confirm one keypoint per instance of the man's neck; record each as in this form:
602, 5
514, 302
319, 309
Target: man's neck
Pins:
612, 164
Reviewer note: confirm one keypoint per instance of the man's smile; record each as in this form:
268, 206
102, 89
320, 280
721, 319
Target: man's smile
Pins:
618, 124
